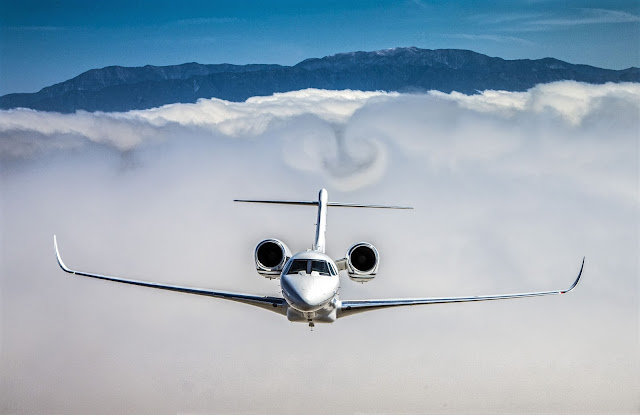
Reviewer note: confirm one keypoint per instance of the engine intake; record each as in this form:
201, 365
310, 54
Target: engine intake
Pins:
271, 255
362, 262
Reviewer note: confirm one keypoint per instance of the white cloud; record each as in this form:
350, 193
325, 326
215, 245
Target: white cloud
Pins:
536, 22
255, 114
419, 3
307, 123
510, 191
589, 17
491, 38
495, 19
568, 100
36, 28
208, 20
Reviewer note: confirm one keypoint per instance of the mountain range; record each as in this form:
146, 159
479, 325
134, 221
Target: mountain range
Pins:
412, 70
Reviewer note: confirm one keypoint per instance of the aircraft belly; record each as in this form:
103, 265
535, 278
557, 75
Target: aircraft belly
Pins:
327, 314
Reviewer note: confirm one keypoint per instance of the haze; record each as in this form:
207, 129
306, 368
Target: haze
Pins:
510, 191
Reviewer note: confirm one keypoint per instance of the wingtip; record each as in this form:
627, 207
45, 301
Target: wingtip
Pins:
575, 283
58, 257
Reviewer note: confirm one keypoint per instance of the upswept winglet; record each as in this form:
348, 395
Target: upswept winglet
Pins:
59, 258
275, 304
575, 283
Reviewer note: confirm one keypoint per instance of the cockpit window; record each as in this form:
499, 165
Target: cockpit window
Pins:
297, 265
308, 266
320, 266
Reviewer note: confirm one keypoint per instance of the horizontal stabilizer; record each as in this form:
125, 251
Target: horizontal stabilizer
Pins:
314, 203
278, 202
356, 205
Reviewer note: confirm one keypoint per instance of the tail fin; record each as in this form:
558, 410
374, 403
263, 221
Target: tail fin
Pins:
322, 203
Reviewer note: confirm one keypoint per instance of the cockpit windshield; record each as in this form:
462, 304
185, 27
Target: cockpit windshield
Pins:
320, 266
298, 265
308, 266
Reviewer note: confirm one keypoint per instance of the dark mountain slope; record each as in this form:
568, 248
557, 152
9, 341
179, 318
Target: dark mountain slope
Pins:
118, 88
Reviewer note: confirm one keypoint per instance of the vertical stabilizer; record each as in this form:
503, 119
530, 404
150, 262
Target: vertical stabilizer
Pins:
323, 204
321, 224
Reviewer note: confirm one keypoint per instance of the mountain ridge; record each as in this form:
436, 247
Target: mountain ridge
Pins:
411, 69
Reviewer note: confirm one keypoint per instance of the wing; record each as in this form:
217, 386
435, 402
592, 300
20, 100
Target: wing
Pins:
348, 308
268, 303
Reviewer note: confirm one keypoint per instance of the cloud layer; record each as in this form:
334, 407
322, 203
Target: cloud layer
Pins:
510, 191
327, 132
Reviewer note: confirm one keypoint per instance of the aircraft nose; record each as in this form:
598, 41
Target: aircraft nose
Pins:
305, 292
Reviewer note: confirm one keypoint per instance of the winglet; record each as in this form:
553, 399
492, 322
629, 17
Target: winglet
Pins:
577, 279
62, 265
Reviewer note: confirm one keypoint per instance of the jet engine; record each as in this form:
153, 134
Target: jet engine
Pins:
270, 256
362, 262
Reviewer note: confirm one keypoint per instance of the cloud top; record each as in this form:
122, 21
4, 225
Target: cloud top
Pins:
344, 135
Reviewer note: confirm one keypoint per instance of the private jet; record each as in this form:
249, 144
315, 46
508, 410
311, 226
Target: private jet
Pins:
310, 280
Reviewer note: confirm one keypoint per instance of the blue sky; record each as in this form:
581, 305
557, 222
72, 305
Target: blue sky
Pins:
44, 42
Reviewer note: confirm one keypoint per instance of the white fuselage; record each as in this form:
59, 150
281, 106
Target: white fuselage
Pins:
310, 280
311, 294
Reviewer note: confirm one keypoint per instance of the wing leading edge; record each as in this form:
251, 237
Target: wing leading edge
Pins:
268, 303
359, 306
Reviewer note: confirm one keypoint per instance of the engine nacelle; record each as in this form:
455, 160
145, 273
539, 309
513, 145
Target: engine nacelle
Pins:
271, 255
362, 262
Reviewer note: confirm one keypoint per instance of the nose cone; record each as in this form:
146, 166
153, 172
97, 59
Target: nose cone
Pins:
306, 292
